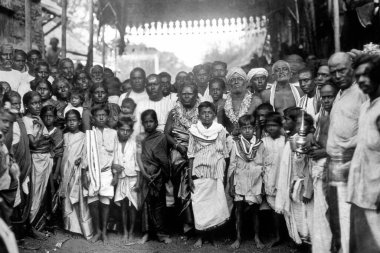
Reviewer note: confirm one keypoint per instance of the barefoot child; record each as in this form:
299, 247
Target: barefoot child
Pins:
76, 213
155, 171
42, 162
102, 141
207, 153
245, 176
273, 143
127, 174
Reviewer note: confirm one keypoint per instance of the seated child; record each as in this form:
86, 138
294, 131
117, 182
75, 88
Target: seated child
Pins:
127, 172
295, 185
76, 101
245, 176
207, 152
127, 108
273, 143
155, 171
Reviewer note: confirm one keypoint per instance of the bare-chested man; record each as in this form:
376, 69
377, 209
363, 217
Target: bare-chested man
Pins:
283, 94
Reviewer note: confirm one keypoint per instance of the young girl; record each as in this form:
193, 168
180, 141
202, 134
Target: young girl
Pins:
155, 169
274, 143
245, 176
61, 89
76, 213
127, 108
125, 164
76, 101
42, 162
207, 153
44, 88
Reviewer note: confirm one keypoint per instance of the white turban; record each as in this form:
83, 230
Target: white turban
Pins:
257, 72
236, 70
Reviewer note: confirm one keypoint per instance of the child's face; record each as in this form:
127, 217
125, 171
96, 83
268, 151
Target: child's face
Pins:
54, 72
289, 124
124, 132
273, 129
43, 72
126, 87
299, 124
247, 131
6, 87
72, 122
48, 118
75, 100
44, 91
206, 116
261, 115
34, 106
149, 124
127, 108
216, 91
15, 103
63, 90
100, 118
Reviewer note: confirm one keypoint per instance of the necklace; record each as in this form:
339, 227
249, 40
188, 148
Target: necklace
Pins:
245, 104
186, 117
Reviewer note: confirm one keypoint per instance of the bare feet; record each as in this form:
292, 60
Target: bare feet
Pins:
125, 238
105, 238
143, 239
214, 243
96, 237
166, 240
259, 244
198, 243
236, 244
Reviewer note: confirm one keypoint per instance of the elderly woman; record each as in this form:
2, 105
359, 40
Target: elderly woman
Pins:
99, 96
97, 74
240, 101
184, 114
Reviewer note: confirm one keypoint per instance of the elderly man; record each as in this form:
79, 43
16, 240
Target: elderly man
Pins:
7, 74
157, 102
341, 144
138, 93
19, 61
282, 94
364, 178
308, 102
66, 70
257, 78
239, 101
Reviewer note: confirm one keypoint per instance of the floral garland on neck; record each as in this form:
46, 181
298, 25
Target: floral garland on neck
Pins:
244, 107
186, 117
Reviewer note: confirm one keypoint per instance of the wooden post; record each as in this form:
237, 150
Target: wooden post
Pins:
28, 26
336, 26
297, 22
64, 27
90, 55
103, 47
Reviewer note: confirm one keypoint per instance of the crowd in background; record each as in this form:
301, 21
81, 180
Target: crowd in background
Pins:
216, 146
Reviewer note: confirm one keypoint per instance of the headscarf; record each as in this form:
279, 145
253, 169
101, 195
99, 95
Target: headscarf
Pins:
257, 71
236, 70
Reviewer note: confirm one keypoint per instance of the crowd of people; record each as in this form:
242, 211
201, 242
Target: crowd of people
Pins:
219, 145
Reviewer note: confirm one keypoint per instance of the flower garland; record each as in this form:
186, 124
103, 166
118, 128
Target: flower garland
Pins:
245, 104
186, 117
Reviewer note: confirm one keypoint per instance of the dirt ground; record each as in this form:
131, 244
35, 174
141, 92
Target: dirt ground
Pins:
79, 245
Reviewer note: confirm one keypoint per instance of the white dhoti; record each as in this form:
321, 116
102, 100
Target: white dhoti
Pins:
124, 189
209, 203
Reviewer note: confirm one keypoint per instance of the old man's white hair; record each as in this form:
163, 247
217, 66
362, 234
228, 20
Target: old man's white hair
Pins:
236, 70
279, 62
257, 72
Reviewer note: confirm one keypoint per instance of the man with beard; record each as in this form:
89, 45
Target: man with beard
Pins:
308, 102
138, 93
364, 178
7, 74
341, 144
66, 70
258, 78
157, 102
166, 83
282, 94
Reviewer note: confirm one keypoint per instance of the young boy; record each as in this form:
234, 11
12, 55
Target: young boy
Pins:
245, 176
207, 152
273, 144
127, 170
217, 86
260, 114
127, 108
76, 101
100, 147
295, 186
155, 173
